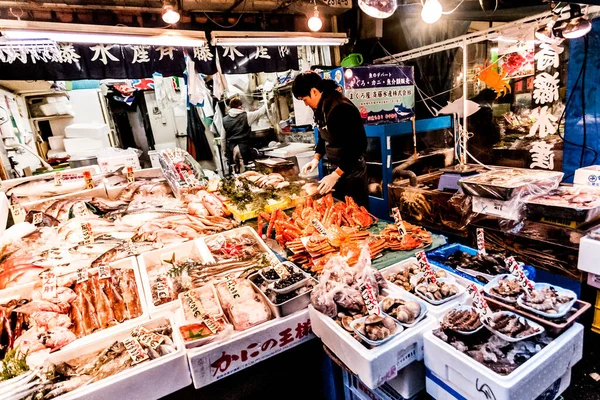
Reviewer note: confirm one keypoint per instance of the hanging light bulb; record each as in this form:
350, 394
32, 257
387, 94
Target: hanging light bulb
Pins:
314, 22
170, 14
378, 8
577, 28
432, 11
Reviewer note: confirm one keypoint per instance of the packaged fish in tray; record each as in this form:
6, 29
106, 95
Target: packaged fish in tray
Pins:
508, 183
565, 203
243, 306
182, 171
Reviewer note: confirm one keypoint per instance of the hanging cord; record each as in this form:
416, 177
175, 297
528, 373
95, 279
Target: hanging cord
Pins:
584, 67
227, 26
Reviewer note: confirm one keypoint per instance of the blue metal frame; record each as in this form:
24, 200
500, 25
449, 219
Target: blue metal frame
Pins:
379, 206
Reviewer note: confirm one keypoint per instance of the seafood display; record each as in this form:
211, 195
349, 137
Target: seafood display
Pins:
462, 320
512, 325
270, 181
404, 311
506, 288
491, 264
566, 203
438, 291
50, 381
415, 238
493, 352
375, 328
204, 320
279, 298
243, 306
411, 276
546, 300
233, 247
77, 309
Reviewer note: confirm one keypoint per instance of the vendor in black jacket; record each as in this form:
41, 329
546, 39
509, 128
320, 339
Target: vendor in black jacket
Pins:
342, 137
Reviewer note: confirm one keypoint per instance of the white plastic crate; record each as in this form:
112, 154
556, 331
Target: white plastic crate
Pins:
409, 382
465, 378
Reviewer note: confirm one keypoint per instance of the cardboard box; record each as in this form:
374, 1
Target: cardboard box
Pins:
150, 380
464, 378
218, 360
588, 255
377, 365
509, 209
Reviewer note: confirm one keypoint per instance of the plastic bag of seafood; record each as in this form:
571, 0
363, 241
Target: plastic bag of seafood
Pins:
485, 366
124, 363
182, 171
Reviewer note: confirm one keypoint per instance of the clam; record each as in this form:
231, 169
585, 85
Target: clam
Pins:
388, 322
389, 303
373, 319
346, 321
360, 327
432, 287
414, 307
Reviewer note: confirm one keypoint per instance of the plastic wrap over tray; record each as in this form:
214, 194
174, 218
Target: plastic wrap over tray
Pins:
566, 203
511, 183
181, 171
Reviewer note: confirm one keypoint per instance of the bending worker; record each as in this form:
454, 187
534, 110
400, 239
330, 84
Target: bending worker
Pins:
342, 137
237, 133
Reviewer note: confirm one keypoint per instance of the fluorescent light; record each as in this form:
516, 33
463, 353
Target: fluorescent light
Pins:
226, 38
75, 37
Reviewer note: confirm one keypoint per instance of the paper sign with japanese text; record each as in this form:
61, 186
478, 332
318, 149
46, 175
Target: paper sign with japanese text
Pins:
399, 221
130, 175
135, 350
516, 270
18, 213
147, 337
89, 182
199, 312
232, 286
103, 271
82, 274
58, 178
49, 284
88, 235
425, 267
37, 218
480, 304
480, 241
370, 297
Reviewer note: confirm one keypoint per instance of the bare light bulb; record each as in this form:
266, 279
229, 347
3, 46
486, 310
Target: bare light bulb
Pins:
432, 11
314, 23
170, 16
378, 8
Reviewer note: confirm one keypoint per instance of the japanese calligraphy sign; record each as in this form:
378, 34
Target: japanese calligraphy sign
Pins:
516, 270
130, 175
135, 350
399, 222
147, 337
480, 241
89, 182
246, 59
370, 296
479, 304
425, 267
210, 364
49, 285
381, 93
103, 271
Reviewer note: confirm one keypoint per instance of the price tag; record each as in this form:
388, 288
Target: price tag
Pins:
48, 285
130, 175
18, 213
480, 241
80, 209
162, 288
370, 297
480, 304
103, 271
82, 274
425, 267
58, 178
37, 218
516, 270
147, 337
135, 350
89, 182
199, 312
399, 222
319, 227
232, 286
88, 235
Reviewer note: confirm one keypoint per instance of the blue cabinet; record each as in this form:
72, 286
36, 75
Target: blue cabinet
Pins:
379, 206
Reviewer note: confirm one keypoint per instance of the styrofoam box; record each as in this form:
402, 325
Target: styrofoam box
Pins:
377, 365
593, 280
126, 263
113, 163
588, 255
77, 145
88, 130
472, 380
436, 311
195, 249
150, 380
588, 176
504, 209
409, 382
150, 173
249, 347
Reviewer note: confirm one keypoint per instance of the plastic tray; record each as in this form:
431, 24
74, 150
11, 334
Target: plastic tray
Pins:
423, 305
242, 216
462, 332
553, 326
296, 285
511, 339
399, 330
536, 208
461, 290
563, 310
530, 181
493, 283
436, 257
287, 307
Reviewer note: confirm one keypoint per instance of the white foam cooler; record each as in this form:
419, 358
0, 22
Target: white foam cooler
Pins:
454, 375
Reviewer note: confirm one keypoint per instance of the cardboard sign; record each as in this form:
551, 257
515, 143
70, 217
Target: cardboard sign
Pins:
480, 241
516, 270
399, 222
18, 213
370, 297
147, 337
480, 304
48, 285
425, 267
135, 350
89, 182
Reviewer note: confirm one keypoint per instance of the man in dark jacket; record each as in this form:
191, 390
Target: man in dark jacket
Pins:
342, 137
237, 128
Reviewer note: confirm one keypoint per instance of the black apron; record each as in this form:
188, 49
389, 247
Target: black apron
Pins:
353, 183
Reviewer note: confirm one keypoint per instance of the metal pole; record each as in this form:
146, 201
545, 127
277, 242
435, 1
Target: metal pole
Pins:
463, 154
414, 128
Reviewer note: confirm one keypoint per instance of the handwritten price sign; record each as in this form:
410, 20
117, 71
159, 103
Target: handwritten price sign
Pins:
480, 304
399, 222
480, 241
516, 270
424, 264
368, 294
